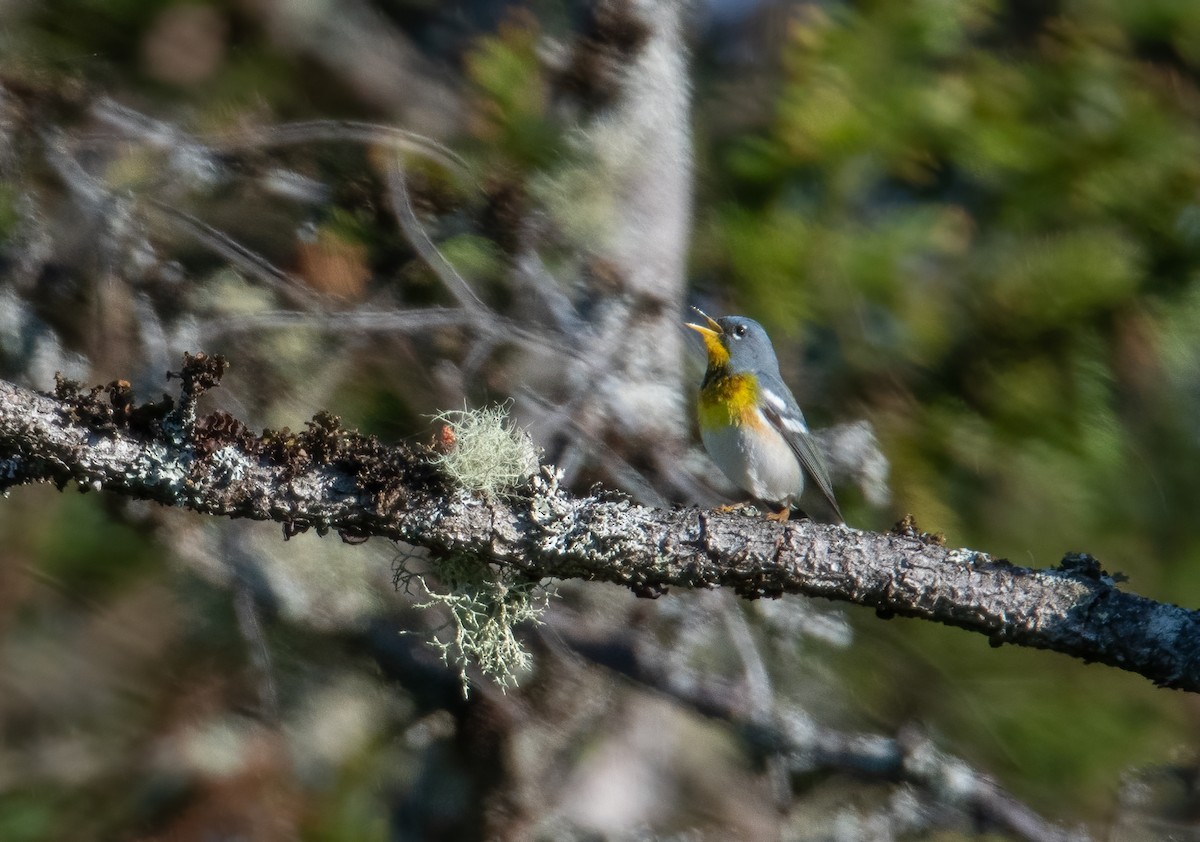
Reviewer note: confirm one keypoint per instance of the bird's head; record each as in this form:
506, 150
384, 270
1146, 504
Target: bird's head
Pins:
736, 343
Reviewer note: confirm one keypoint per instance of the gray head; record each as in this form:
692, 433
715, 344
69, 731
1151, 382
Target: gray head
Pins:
748, 345
737, 343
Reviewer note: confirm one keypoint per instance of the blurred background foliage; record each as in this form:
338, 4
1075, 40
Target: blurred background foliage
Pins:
975, 223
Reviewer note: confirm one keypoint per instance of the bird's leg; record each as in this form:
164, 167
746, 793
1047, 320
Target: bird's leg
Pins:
733, 507
780, 516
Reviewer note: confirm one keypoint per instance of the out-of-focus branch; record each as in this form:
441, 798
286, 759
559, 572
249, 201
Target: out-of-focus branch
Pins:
808, 748
329, 479
411, 226
367, 52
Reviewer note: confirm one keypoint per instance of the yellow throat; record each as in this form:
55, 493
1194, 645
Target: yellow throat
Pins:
726, 399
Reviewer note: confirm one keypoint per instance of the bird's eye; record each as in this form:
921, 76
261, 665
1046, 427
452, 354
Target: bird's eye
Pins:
739, 331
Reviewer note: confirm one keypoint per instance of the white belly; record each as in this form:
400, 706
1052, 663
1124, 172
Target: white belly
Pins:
776, 476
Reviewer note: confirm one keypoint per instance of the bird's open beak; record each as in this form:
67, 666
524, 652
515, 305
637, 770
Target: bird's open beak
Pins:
718, 354
712, 331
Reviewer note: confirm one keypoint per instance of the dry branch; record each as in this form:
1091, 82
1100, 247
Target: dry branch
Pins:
330, 479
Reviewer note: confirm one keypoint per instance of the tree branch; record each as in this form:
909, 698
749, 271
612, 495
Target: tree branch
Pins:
331, 479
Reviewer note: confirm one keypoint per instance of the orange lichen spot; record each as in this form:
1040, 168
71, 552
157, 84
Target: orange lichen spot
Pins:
444, 439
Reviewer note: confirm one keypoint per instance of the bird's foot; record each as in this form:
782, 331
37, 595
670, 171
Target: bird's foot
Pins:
780, 516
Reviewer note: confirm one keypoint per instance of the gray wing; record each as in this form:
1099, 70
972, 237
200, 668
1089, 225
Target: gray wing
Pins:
785, 416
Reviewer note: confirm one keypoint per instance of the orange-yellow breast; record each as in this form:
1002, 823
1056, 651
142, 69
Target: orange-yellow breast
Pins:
755, 456
729, 400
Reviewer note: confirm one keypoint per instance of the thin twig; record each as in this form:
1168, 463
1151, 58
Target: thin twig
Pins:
244, 258
360, 320
758, 684
159, 134
625, 475
335, 131
406, 216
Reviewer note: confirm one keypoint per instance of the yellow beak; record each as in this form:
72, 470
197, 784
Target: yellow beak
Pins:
712, 331
718, 354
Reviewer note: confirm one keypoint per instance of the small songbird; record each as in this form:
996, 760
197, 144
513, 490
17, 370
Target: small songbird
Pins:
750, 423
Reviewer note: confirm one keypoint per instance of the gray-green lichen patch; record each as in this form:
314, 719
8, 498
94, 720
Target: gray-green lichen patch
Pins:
160, 466
550, 511
485, 604
967, 558
228, 466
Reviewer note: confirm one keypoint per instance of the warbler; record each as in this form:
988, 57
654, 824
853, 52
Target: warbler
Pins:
750, 423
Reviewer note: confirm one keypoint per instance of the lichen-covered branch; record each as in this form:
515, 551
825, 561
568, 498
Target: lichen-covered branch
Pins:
328, 479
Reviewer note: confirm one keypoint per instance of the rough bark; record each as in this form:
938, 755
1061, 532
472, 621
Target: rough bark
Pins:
329, 479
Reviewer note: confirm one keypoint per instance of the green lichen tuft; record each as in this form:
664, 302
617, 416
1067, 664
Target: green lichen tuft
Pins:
486, 604
486, 451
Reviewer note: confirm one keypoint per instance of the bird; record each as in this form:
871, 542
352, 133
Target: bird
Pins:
750, 423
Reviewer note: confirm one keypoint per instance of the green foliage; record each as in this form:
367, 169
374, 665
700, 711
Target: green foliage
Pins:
511, 104
88, 553
26, 818
476, 258
9, 217
353, 810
